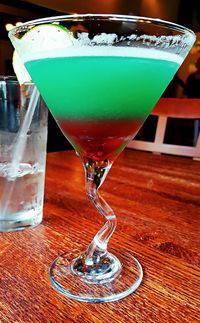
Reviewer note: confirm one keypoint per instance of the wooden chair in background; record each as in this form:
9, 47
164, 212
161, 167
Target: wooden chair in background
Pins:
173, 108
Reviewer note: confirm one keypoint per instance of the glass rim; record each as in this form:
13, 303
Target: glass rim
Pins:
13, 79
8, 77
113, 17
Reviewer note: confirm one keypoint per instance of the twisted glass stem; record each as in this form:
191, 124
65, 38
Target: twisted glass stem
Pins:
96, 173
96, 264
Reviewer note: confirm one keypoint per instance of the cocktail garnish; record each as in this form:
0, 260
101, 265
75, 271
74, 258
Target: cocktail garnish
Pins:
21, 72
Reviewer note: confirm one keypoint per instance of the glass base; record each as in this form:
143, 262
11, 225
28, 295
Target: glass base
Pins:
21, 221
66, 281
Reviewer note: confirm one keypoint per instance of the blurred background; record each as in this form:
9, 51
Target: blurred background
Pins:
185, 12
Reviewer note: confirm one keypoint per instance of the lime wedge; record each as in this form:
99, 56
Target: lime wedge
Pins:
20, 70
43, 38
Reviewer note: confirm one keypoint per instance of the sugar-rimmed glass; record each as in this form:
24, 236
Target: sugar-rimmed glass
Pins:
101, 83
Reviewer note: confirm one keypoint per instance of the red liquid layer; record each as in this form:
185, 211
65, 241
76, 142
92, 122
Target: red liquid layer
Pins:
99, 139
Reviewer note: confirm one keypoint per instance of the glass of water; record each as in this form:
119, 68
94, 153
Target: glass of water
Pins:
22, 156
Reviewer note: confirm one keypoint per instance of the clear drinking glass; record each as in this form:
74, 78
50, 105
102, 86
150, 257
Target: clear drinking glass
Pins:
22, 156
100, 82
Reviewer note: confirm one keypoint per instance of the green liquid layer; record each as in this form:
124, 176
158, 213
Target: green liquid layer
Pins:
101, 87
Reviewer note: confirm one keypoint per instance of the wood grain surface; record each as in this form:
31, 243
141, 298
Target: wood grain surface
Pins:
157, 200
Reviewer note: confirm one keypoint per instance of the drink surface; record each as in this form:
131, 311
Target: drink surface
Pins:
101, 101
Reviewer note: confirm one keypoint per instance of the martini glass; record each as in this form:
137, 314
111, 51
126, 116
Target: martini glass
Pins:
100, 76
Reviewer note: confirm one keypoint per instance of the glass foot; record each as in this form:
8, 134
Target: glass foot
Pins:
67, 280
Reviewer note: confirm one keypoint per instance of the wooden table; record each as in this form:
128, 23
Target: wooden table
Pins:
157, 199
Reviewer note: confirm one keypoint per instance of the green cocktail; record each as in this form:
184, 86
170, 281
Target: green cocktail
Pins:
100, 83
108, 97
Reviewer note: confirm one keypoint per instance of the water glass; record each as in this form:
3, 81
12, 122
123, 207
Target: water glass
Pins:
22, 156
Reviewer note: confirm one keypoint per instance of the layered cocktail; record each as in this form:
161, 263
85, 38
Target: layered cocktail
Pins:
100, 83
100, 98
